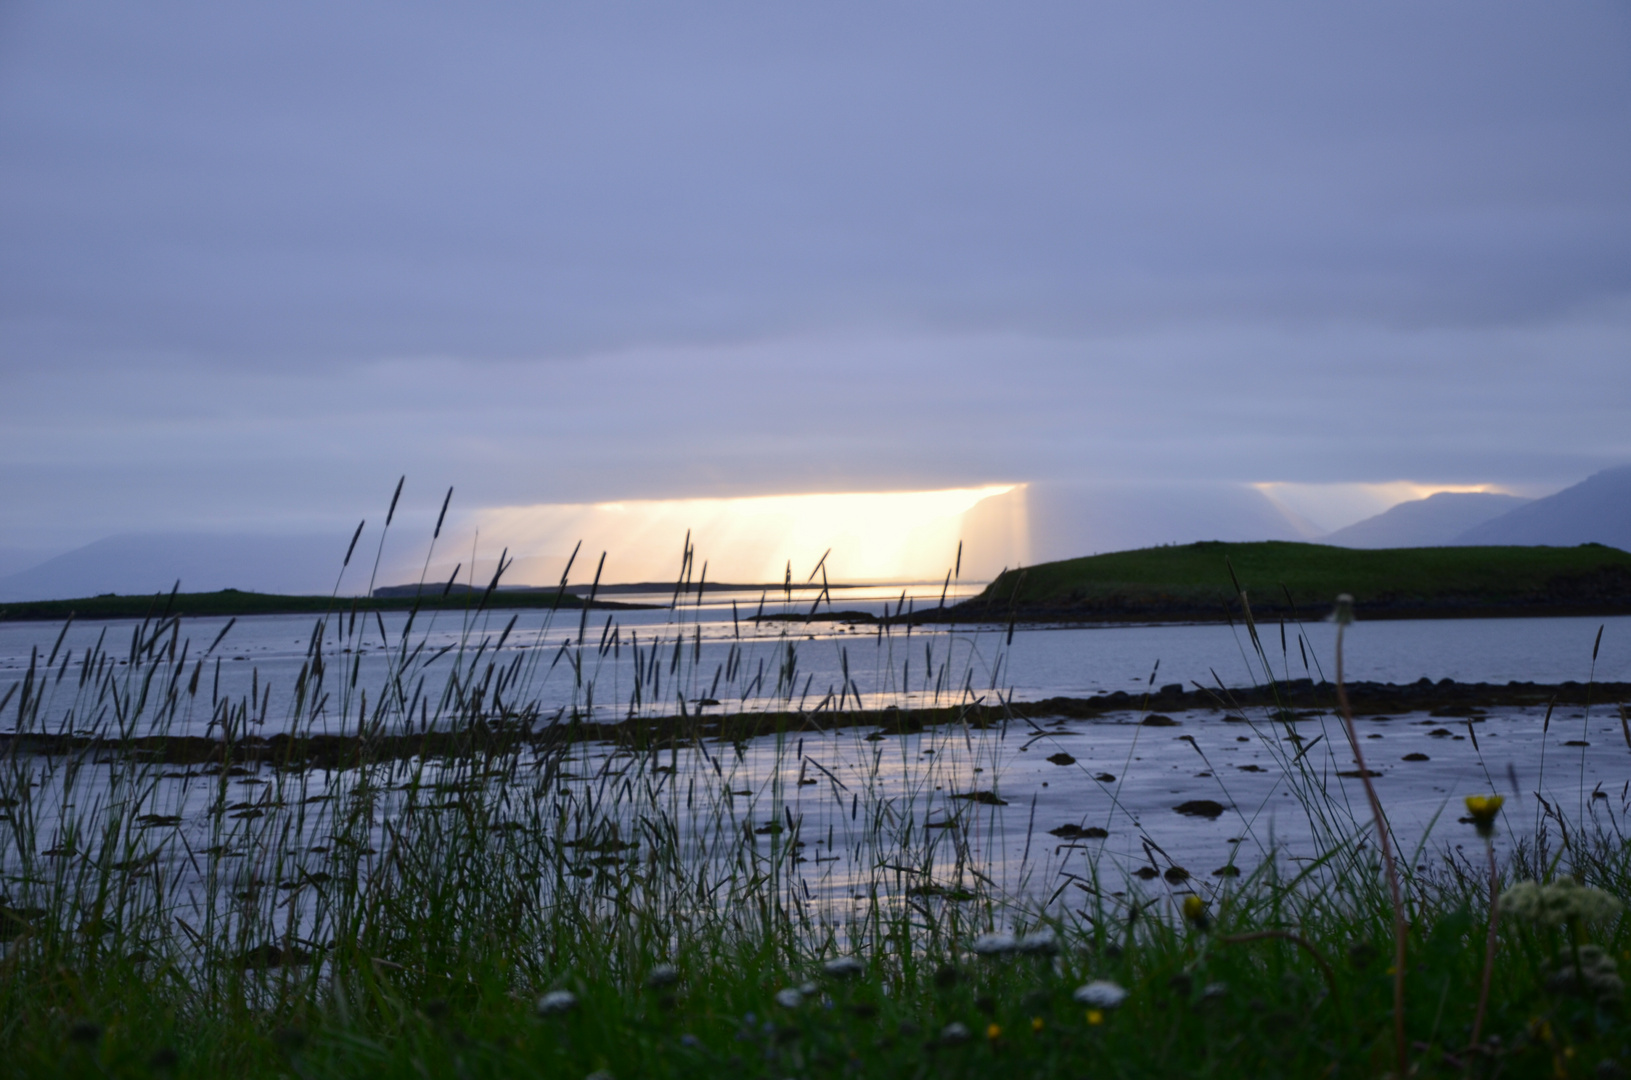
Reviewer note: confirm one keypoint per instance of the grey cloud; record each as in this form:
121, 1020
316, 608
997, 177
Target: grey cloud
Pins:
256, 262
311, 182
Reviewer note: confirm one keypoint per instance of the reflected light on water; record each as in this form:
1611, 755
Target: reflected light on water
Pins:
873, 536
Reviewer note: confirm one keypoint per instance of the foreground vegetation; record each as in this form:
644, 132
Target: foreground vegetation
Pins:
1282, 579
500, 910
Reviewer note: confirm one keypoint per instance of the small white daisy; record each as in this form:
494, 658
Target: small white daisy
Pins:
1100, 994
995, 944
556, 1002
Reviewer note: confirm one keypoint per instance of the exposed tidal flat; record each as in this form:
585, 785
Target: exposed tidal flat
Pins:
637, 845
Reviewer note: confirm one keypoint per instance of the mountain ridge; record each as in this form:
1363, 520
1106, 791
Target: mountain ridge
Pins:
1435, 521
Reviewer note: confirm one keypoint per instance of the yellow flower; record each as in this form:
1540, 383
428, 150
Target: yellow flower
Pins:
1195, 911
993, 1032
1482, 809
1036, 1025
1095, 1017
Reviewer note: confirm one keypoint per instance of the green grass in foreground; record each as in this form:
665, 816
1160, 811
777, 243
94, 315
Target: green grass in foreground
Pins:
446, 898
1408, 578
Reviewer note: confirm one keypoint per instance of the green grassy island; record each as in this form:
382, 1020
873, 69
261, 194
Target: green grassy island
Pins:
1283, 580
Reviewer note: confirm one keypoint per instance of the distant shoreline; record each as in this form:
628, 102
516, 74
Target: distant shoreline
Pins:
1221, 612
231, 602
645, 588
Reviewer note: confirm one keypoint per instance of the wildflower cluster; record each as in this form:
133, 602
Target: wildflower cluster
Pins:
1591, 974
1562, 903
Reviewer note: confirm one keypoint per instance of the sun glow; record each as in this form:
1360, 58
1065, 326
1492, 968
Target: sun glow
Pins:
873, 536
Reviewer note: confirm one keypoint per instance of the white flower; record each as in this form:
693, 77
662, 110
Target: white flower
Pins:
1100, 994
789, 998
663, 975
954, 1032
1039, 942
843, 967
1561, 902
995, 944
556, 1002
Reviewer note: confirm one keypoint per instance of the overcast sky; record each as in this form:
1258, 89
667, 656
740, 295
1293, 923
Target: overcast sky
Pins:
257, 261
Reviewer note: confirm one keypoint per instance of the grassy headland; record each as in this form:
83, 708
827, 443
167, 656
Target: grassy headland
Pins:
1194, 582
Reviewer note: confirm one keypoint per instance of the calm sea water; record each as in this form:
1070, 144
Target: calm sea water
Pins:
923, 666
1111, 773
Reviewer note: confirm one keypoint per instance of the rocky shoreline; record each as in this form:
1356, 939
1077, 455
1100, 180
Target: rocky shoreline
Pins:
1288, 702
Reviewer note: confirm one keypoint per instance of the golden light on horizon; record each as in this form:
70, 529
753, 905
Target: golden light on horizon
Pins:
873, 536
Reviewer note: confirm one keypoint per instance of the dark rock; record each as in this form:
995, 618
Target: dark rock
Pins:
1076, 832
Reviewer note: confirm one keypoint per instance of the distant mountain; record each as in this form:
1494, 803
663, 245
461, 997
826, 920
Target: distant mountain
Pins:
14, 560
1435, 521
1066, 520
137, 564
1595, 511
